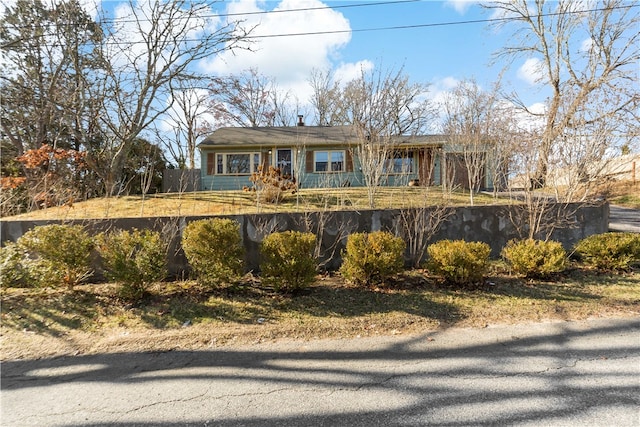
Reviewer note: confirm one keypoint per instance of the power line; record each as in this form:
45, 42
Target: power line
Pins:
344, 6
264, 12
391, 28
261, 12
440, 24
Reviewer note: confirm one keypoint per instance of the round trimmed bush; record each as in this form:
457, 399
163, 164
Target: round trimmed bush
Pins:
134, 259
609, 251
535, 258
288, 261
214, 250
459, 262
59, 254
371, 258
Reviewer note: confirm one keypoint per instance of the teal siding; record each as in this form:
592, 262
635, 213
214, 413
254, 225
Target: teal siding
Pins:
353, 178
330, 180
225, 182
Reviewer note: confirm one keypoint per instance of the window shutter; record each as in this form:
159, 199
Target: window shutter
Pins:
309, 162
349, 160
211, 163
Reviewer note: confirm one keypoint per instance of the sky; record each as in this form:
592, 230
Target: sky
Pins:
437, 42
433, 41
437, 48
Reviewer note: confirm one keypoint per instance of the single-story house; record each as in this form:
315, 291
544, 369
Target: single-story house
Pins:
323, 156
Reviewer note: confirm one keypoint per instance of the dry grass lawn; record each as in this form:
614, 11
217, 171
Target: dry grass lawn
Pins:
241, 202
181, 315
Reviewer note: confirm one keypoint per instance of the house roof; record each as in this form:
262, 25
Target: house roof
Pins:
301, 135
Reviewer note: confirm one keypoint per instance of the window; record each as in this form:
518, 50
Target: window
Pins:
402, 162
220, 167
256, 162
283, 161
236, 163
329, 161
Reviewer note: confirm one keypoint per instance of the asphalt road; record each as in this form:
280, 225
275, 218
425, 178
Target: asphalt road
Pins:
552, 374
624, 219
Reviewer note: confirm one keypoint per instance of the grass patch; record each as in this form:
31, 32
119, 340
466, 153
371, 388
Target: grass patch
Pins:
39, 323
241, 202
624, 193
628, 201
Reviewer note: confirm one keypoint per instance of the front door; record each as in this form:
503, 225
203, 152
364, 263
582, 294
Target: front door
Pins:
425, 166
284, 162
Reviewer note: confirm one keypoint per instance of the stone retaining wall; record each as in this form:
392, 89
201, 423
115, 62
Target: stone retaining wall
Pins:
494, 225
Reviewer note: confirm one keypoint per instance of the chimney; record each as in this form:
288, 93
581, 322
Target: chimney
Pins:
300, 120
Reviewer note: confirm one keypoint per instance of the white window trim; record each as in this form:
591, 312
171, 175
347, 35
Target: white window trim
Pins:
252, 166
344, 161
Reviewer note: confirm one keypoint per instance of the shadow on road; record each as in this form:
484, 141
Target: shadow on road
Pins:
424, 384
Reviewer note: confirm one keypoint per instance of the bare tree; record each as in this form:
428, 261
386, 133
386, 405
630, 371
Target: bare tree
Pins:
188, 120
381, 106
244, 100
580, 162
503, 145
472, 122
421, 219
286, 108
326, 98
586, 53
372, 153
148, 52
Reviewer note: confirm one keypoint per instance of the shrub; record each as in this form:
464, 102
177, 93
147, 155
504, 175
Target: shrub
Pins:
14, 269
535, 258
288, 261
60, 254
133, 259
459, 262
214, 250
371, 258
270, 184
609, 251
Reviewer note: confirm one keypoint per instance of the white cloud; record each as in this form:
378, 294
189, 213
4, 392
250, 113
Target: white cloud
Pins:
531, 71
530, 120
347, 72
538, 108
460, 6
448, 83
440, 89
288, 59
586, 45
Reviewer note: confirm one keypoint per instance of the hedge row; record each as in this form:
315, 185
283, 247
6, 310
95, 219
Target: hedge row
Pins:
62, 255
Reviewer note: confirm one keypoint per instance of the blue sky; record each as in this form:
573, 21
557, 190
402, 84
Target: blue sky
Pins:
439, 55
429, 53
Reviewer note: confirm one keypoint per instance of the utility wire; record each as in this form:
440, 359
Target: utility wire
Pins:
390, 28
306, 9
260, 12
441, 24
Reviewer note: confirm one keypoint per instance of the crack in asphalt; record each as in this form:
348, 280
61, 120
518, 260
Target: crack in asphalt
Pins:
569, 364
